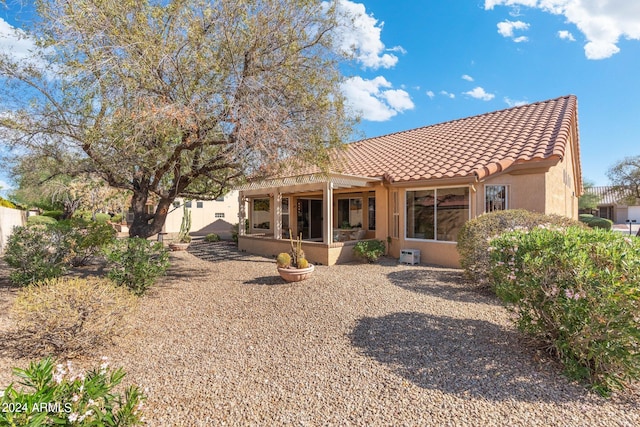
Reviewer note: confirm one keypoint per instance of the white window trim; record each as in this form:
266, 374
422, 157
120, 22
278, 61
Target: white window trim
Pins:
406, 223
507, 196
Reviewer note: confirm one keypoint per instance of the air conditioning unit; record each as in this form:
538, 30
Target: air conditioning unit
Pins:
410, 256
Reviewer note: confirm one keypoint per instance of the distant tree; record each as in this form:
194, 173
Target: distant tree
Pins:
625, 176
588, 200
175, 98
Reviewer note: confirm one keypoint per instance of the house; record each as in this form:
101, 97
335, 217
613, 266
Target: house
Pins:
614, 204
207, 216
415, 189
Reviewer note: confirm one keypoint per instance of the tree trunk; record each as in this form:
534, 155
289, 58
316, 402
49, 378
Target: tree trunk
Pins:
146, 225
70, 206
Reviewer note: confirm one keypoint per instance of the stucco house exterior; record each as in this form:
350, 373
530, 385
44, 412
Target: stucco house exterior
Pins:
207, 216
615, 204
415, 189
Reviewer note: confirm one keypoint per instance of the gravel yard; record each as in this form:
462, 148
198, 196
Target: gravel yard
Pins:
229, 343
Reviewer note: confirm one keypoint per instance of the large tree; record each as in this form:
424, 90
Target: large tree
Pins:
625, 177
175, 98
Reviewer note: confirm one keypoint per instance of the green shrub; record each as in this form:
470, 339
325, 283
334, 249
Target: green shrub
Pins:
474, 237
136, 263
84, 239
117, 218
7, 204
102, 217
55, 214
213, 237
36, 253
370, 250
577, 291
71, 315
235, 230
596, 221
40, 220
70, 397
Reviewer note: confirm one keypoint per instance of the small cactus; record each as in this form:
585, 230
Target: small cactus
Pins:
283, 260
303, 263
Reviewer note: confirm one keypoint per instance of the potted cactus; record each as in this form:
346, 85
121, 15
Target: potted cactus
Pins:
294, 267
183, 240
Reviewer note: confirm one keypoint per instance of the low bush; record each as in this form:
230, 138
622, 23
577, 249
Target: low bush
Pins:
596, 221
370, 250
58, 395
84, 239
211, 238
40, 220
7, 204
55, 214
36, 253
474, 237
70, 316
136, 263
117, 218
102, 217
577, 291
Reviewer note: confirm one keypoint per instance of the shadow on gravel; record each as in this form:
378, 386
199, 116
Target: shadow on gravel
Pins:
223, 251
446, 284
266, 280
463, 357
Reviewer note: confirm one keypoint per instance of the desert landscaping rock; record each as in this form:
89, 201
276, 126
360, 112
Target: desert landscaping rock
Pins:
228, 342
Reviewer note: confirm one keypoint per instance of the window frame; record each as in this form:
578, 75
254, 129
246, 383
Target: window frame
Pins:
506, 197
435, 221
369, 212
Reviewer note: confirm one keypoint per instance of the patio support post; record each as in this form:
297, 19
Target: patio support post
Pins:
241, 214
277, 212
327, 213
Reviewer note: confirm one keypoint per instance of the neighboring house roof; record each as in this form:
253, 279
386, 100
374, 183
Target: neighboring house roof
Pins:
609, 195
473, 147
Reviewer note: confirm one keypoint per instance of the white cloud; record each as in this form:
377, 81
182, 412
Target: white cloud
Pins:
521, 39
359, 34
479, 93
602, 22
447, 94
14, 41
506, 28
467, 77
513, 103
374, 99
430, 94
566, 35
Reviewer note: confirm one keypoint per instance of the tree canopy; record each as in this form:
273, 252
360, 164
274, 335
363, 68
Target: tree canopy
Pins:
174, 98
625, 176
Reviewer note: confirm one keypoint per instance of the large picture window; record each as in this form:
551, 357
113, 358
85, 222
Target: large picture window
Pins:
350, 212
437, 214
495, 198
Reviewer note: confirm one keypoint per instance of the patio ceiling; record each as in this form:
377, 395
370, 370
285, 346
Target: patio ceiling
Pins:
308, 182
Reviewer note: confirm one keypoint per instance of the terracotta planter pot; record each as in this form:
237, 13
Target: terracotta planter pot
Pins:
296, 274
178, 246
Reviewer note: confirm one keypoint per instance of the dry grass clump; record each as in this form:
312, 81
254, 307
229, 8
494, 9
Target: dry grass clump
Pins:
70, 316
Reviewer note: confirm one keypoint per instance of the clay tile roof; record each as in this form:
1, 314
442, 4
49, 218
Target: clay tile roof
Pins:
480, 145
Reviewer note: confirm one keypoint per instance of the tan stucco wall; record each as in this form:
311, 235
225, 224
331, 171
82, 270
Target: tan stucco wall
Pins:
316, 253
204, 216
560, 187
525, 191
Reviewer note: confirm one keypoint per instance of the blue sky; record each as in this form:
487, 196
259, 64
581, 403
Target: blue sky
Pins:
424, 62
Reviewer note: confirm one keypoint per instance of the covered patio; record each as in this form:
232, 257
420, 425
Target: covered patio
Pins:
332, 212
